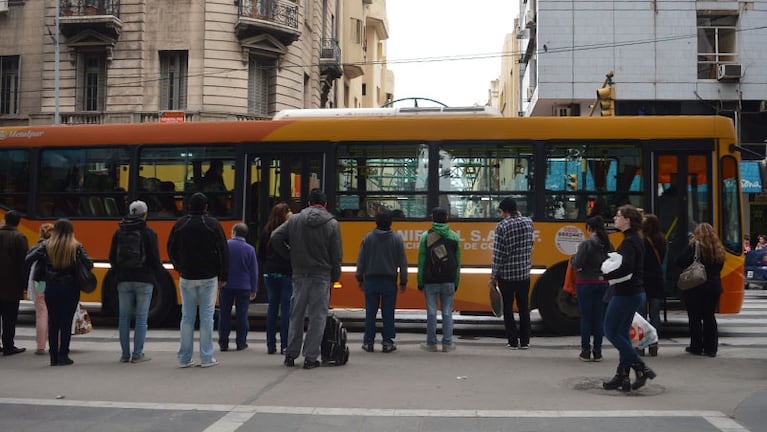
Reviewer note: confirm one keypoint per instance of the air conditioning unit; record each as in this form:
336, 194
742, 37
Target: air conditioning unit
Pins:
3, 6
728, 72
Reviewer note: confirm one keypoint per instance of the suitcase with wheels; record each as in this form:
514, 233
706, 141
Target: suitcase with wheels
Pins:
334, 350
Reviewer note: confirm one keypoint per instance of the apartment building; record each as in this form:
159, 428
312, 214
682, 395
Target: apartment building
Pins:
668, 56
122, 61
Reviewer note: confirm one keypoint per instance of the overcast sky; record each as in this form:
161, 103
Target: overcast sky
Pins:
473, 31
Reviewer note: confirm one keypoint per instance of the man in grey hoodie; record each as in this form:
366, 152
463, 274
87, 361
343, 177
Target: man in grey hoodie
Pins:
381, 255
312, 241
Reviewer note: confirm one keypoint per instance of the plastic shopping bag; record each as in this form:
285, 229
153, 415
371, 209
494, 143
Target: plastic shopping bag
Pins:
642, 333
81, 323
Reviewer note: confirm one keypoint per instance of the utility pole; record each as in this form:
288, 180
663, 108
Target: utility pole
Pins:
56, 58
605, 97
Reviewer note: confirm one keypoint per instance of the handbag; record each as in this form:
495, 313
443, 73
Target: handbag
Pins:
496, 299
570, 285
86, 280
694, 275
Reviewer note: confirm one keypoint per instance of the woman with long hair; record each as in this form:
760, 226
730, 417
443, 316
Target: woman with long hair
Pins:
278, 280
629, 294
591, 286
36, 293
57, 266
654, 284
702, 300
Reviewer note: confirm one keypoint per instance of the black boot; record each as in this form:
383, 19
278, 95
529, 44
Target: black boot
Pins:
54, 359
642, 373
620, 381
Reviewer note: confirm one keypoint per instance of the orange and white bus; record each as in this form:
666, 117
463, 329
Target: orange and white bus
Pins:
559, 169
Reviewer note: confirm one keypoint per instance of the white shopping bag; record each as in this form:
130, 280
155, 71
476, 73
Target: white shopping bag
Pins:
642, 333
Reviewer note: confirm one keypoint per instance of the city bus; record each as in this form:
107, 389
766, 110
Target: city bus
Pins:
559, 170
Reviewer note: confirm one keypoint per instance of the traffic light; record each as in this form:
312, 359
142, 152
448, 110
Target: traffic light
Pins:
572, 182
606, 96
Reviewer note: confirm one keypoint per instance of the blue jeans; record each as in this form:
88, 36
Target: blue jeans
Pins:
279, 290
445, 292
381, 291
241, 298
618, 318
194, 291
132, 295
592, 310
311, 296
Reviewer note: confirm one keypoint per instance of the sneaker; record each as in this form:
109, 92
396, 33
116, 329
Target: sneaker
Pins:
389, 348
211, 363
224, 348
140, 358
242, 347
311, 364
124, 359
448, 347
524, 347
511, 347
585, 356
597, 356
289, 361
428, 347
188, 364
367, 347
271, 350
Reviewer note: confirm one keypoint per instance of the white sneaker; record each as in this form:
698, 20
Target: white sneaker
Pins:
448, 348
188, 364
211, 363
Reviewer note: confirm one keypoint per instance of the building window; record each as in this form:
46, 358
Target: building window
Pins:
717, 43
364, 89
9, 85
91, 81
259, 72
173, 79
356, 31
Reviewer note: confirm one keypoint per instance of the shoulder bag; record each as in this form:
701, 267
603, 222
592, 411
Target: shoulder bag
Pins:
694, 275
86, 280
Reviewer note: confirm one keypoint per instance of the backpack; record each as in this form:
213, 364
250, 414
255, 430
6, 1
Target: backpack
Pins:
130, 249
442, 263
333, 347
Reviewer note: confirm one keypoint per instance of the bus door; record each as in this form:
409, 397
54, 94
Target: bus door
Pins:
681, 199
284, 177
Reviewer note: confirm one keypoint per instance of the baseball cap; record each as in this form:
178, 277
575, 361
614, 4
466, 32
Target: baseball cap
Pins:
137, 208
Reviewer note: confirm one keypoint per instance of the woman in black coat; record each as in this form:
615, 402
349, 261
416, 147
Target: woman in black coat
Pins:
702, 300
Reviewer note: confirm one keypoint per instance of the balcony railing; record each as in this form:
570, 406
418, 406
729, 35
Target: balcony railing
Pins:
89, 7
276, 11
330, 52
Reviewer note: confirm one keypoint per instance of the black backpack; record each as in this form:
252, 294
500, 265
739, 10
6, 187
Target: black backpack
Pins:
333, 348
130, 249
442, 263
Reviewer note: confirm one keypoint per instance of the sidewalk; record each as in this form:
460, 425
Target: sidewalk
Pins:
480, 386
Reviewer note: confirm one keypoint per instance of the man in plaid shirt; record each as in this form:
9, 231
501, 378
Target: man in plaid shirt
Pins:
512, 251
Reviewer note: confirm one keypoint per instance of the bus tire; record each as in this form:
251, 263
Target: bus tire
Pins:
558, 309
163, 308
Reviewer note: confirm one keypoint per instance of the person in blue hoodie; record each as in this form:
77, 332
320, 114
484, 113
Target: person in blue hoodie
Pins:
381, 256
240, 288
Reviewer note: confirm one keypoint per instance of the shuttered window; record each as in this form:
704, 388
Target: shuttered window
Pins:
259, 74
9, 85
91, 81
173, 79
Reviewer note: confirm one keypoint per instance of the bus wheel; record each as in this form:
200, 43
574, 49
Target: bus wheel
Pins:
558, 309
163, 307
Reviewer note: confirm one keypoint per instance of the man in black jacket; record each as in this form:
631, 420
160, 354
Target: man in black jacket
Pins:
13, 249
197, 247
135, 259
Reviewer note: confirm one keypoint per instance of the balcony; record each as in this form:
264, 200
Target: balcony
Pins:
100, 16
330, 59
278, 18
